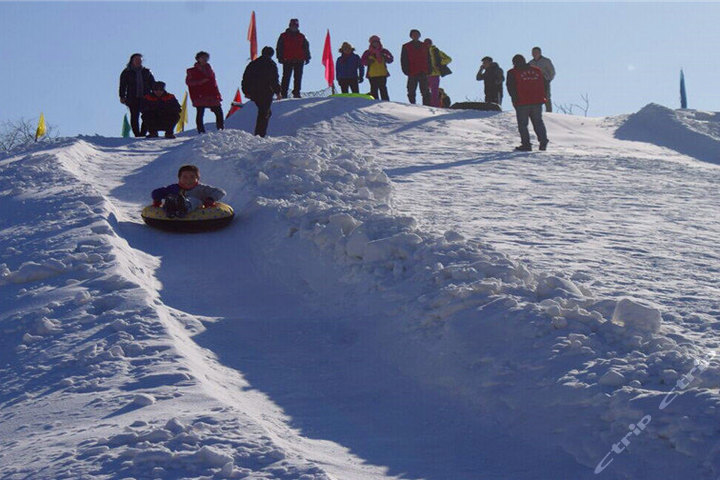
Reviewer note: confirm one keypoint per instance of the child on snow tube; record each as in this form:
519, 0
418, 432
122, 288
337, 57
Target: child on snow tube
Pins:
187, 195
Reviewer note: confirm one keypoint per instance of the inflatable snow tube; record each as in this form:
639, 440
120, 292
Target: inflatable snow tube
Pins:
366, 96
199, 220
486, 107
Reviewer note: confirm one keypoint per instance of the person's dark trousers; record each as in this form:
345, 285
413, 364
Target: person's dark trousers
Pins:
412, 84
379, 85
138, 129
263, 115
349, 83
219, 121
494, 97
294, 68
160, 123
548, 104
534, 114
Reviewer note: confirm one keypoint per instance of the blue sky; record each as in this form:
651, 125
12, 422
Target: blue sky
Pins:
64, 58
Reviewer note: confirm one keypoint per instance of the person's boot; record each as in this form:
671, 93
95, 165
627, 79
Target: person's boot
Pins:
523, 148
169, 134
543, 145
152, 134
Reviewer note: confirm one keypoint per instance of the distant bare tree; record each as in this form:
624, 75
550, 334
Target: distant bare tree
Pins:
570, 107
15, 133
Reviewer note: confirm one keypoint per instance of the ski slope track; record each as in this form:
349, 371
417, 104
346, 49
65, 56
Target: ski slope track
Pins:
400, 296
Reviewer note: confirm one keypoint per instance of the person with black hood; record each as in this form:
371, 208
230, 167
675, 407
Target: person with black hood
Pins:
493, 76
526, 87
260, 84
415, 63
160, 111
293, 52
135, 82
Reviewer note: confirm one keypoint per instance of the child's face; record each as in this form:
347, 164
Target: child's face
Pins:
188, 179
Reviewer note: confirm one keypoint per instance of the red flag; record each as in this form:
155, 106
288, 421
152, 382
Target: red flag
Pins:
236, 104
327, 60
252, 37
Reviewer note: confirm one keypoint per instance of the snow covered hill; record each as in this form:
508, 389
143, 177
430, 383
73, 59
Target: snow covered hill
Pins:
400, 296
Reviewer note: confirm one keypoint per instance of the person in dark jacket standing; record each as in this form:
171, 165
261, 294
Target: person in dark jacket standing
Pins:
493, 76
259, 84
293, 52
415, 62
349, 69
135, 83
204, 91
160, 111
526, 87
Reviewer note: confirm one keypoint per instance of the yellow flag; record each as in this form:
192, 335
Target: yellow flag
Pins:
41, 130
183, 115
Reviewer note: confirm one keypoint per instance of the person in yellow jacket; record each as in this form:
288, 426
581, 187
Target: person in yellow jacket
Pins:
438, 68
377, 58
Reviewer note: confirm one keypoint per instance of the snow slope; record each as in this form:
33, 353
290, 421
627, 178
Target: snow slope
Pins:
399, 297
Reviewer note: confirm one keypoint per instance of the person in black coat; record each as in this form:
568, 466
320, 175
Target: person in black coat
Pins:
135, 83
259, 84
160, 111
493, 76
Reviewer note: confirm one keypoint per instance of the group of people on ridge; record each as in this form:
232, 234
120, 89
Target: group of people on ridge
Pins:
421, 61
160, 110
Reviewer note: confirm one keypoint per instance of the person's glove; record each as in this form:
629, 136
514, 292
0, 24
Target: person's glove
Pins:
360, 79
157, 203
209, 202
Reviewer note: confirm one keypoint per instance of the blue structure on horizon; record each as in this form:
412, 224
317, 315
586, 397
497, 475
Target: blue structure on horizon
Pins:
683, 94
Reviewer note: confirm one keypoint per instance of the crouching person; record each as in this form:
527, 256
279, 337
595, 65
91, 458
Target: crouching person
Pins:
183, 197
160, 111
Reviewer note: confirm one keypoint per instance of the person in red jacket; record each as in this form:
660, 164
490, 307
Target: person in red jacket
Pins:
204, 91
415, 63
526, 87
293, 52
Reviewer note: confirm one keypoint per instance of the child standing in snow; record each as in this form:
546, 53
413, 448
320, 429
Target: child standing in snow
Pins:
186, 195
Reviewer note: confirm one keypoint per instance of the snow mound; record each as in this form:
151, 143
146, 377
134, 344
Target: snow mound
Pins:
690, 132
327, 336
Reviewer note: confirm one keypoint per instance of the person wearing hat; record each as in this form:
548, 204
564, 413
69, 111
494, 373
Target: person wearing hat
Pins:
415, 62
160, 111
293, 52
376, 59
349, 69
526, 87
259, 84
135, 83
204, 91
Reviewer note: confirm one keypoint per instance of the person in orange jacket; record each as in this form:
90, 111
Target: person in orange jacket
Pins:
160, 111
